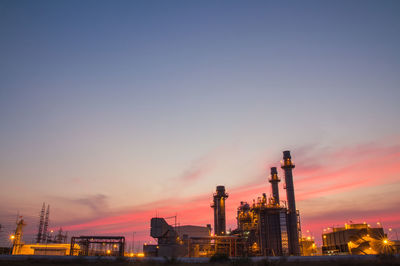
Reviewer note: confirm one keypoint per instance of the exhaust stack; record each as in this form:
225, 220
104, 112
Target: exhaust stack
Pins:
274, 180
219, 211
287, 166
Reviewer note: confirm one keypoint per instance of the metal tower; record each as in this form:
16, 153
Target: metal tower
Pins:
41, 222
219, 211
46, 224
18, 237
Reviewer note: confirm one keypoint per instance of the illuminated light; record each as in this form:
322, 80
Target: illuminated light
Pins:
141, 255
313, 245
390, 229
385, 241
131, 255
12, 237
364, 223
308, 238
115, 245
108, 251
324, 236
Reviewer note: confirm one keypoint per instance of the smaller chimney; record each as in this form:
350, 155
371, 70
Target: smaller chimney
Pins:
274, 180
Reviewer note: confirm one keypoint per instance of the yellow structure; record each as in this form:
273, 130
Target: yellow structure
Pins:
45, 249
308, 246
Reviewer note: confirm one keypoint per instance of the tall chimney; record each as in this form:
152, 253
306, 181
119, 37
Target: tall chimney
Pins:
287, 166
274, 180
219, 211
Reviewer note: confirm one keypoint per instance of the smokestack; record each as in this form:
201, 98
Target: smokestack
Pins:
219, 211
274, 180
287, 166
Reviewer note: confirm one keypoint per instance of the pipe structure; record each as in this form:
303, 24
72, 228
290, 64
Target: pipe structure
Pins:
219, 211
287, 166
274, 180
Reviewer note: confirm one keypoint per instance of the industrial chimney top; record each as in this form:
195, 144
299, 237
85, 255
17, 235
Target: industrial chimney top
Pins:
286, 155
287, 161
273, 170
274, 175
221, 189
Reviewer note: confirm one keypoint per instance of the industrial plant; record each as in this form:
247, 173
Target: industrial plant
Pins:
267, 226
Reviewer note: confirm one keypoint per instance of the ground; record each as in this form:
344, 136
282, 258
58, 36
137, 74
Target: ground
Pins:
361, 261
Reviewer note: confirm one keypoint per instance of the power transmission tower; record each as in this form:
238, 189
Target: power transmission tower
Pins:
41, 221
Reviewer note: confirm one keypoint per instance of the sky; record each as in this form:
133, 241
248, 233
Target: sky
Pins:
114, 112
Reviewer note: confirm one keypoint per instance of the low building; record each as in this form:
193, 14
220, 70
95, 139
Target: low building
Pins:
44, 249
356, 239
173, 241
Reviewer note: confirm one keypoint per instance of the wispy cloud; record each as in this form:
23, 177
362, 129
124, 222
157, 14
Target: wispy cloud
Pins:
97, 203
198, 169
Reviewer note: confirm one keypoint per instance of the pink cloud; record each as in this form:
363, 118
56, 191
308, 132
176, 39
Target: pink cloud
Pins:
330, 173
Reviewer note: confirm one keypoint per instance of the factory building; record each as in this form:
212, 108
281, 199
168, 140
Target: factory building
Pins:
269, 227
173, 241
356, 239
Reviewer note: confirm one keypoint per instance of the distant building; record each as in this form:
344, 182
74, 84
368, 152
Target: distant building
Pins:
356, 239
45, 249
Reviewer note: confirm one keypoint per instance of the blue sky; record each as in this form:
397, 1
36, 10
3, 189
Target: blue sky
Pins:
121, 102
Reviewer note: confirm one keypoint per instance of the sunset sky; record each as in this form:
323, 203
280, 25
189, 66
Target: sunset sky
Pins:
115, 111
